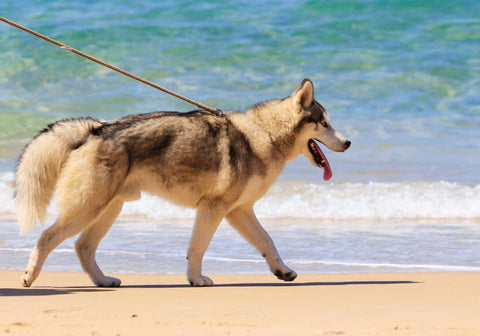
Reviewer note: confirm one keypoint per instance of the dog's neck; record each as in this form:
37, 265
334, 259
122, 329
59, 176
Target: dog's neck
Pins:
279, 126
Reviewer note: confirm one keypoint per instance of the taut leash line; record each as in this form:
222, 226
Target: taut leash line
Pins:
217, 112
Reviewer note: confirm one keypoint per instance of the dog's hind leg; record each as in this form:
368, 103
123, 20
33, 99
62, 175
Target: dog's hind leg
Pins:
208, 218
247, 224
87, 244
67, 225
85, 188
49, 239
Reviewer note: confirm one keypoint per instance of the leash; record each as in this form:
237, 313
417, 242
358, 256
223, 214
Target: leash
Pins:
216, 112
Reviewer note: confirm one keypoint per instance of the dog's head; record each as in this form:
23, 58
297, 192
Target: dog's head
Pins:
314, 125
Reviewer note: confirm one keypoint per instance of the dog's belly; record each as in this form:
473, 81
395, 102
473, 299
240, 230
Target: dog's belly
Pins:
182, 190
183, 196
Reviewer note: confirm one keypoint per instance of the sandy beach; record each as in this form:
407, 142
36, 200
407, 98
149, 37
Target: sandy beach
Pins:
322, 304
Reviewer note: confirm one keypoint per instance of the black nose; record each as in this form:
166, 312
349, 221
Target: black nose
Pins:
347, 144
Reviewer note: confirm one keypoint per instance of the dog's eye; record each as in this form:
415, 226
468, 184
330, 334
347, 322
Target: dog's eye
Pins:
324, 124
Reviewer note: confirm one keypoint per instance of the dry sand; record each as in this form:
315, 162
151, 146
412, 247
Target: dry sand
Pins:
324, 304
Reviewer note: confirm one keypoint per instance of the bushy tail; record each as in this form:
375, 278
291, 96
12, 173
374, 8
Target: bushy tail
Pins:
40, 165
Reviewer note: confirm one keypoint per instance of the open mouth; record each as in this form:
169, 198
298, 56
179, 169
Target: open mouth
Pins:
320, 159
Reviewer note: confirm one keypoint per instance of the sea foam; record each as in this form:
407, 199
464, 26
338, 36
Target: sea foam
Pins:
338, 201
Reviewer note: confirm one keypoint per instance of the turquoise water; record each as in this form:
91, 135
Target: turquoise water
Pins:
401, 79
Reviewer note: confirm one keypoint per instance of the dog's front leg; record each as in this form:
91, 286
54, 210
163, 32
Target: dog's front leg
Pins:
247, 224
209, 215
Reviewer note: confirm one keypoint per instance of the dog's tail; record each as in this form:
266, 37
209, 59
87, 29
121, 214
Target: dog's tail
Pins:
40, 165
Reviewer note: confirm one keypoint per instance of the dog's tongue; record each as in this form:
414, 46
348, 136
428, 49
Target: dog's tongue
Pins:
327, 171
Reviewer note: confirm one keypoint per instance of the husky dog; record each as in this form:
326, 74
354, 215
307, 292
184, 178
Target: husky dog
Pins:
220, 165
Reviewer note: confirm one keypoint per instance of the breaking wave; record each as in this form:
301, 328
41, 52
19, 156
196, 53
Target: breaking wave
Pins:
374, 200
303, 200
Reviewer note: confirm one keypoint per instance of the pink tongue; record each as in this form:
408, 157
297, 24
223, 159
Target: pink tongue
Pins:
327, 171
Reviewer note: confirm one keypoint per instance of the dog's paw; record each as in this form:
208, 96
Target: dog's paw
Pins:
108, 282
26, 279
288, 275
201, 281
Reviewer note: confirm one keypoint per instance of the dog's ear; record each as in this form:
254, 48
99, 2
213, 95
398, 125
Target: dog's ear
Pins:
303, 94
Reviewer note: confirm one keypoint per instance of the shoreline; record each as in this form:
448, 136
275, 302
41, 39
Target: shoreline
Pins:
346, 247
314, 304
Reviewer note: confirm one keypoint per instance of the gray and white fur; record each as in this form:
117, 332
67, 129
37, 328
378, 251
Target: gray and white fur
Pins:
218, 165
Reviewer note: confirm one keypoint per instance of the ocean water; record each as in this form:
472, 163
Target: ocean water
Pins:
400, 79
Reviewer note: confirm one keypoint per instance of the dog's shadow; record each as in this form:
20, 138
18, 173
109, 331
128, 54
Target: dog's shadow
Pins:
48, 291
